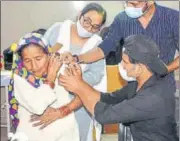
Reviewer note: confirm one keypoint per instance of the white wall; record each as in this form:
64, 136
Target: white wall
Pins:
19, 17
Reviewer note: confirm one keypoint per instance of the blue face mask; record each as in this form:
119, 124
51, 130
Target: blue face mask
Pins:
135, 12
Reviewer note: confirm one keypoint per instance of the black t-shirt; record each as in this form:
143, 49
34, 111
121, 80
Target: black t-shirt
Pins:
150, 112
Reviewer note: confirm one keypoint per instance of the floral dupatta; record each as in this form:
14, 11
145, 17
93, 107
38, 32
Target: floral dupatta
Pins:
17, 68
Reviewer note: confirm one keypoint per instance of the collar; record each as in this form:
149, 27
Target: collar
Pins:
150, 82
132, 86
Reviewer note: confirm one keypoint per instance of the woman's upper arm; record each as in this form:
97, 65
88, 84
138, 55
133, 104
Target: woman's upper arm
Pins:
95, 72
52, 33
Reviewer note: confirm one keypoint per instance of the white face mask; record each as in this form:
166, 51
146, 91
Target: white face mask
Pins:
124, 75
83, 32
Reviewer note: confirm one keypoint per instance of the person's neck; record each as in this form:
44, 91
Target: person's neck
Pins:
146, 18
142, 79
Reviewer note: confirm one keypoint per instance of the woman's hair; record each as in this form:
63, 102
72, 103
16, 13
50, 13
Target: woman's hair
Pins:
95, 7
27, 45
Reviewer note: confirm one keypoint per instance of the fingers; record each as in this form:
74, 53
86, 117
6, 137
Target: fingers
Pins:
63, 78
55, 61
63, 83
39, 123
67, 72
78, 67
43, 120
67, 57
58, 62
54, 116
50, 60
55, 57
75, 68
46, 124
35, 118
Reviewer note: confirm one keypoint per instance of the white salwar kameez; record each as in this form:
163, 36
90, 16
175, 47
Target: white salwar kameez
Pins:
36, 101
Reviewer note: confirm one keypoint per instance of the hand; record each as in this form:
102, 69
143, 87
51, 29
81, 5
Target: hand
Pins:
74, 69
54, 65
67, 58
49, 116
72, 78
174, 65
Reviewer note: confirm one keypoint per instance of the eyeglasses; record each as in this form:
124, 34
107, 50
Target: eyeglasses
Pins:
87, 23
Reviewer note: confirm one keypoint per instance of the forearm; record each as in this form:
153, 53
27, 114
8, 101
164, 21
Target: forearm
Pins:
75, 104
88, 96
112, 99
174, 65
92, 56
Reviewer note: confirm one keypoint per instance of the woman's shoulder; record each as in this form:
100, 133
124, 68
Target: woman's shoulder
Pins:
56, 24
18, 79
96, 37
24, 77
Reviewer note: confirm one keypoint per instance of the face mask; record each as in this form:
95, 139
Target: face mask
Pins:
124, 75
134, 12
83, 32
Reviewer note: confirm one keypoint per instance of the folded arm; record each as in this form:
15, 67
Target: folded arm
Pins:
35, 100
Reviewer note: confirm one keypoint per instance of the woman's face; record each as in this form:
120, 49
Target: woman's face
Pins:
35, 60
91, 21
